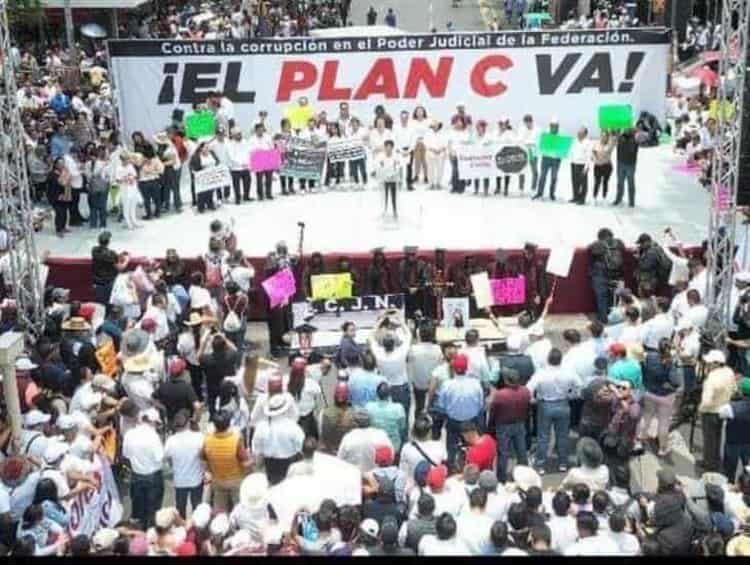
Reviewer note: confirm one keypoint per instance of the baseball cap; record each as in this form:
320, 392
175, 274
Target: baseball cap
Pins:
715, 356
105, 539
437, 476
370, 527
383, 456
65, 422
460, 363
35, 417
617, 349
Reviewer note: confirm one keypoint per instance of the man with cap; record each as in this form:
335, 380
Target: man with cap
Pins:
277, 439
549, 165
386, 470
143, 449
33, 440
358, 447
627, 157
177, 394
736, 440
718, 388
336, 420
462, 400
183, 451
508, 416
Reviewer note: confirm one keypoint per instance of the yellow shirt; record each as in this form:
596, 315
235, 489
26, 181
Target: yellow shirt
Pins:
221, 456
718, 389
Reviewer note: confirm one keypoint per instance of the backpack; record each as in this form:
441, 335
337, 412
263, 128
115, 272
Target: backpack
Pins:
232, 322
98, 184
613, 259
664, 264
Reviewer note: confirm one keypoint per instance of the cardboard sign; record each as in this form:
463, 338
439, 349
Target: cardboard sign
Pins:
265, 160
335, 286
298, 116
107, 357
212, 178
480, 284
200, 124
280, 287
616, 117
555, 146
560, 260
510, 290
340, 151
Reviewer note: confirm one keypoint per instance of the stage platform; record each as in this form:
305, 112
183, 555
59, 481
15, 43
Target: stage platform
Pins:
353, 221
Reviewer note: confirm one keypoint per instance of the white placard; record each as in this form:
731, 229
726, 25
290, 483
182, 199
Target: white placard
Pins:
212, 178
560, 260
480, 283
453, 307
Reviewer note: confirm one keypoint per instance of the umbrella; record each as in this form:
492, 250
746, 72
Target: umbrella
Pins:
706, 76
93, 31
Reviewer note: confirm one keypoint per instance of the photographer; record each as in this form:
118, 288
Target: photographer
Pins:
220, 363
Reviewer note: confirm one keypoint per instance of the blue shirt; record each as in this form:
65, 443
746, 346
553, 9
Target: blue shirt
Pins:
390, 417
59, 146
461, 398
363, 386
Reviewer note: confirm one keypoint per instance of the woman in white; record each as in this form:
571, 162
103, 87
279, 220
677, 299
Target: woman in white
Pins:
459, 135
505, 136
420, 126
482, 138
436, 146
388, 171
188, 344
378, 136
358, 167
126, 177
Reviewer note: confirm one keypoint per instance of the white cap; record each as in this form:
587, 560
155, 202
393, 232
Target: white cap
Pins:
370, 527
35, 417
25, 364
220, 525
201, 515
165, 517
152, 415
104, 539
65, 422
55, 450
715, 356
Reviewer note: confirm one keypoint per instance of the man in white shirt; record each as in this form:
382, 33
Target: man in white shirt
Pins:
698, 276
143, 448
479, 365
588, 542
278, 438
474, 525
697, 313
220, 147
422, 359
580, 357
539, 346
391, 354
404, 143
581, 157
421, 448
561, 524
239, 152
183, 451
444, 541
528, 136
358, 446
659, 327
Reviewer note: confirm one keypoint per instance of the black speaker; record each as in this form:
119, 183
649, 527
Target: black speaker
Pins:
743, 170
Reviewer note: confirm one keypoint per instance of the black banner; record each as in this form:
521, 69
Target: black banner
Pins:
512, 159
303, 159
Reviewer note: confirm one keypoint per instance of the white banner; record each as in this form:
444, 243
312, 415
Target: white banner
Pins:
340, 151
96, 508
212, 178
486, 161
567, 74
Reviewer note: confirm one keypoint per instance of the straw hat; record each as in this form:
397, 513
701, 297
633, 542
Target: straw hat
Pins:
253, 489
76, 324
277, 405
195, 319
135, 342
137, 363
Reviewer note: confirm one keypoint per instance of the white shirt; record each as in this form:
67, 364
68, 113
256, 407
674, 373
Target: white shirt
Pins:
422, 360
698, 315
310, 397
581, 153
242, 275
183, 449
74, 169
431, 545
474, 531
479, 365
631, 334
528, 136
679, 306
143, 448
410, 455
498, 503
393, 365
580, 359
221, 150
404, 136
658, 327
378, 139
388, 169
593, 545
435, 140
538, 351
239, 153
563, 531
278, 437
627, 543
358, 447
698, 282
553, 384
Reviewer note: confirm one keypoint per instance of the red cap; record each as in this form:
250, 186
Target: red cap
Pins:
148, 325
460, 364
186, 549
275, 384
383, 456
617, 350
177, 366
436, 477
341, 392
87, 311
13, 469
297, 368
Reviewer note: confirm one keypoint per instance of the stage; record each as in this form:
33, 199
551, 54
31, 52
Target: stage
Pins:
352, 222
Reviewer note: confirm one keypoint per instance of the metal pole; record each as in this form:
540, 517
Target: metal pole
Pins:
11, 346
70, 37
115, 24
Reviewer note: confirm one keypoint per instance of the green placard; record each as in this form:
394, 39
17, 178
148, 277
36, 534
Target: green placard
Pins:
200, 124
553, 145
615, 117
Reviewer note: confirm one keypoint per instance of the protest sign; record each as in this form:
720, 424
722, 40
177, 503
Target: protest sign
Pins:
456, 313
725, 111
265, 160
304, 159
200, 124
280, 287
107, 357
93, 509
476, 161
212, 178
721, 196
510, 290
480, 284
555, 146
560, 260
511, 159
364, 311
615, 116
345, 150
331, 286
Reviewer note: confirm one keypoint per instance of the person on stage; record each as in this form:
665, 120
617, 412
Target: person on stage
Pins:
602, 153
261, 141
536, 280
581, 157
389, 172
436, 146
459, 135
528, 136
482, 138
412, 274
358, 167
378, 274
504, 136
550, 165
627, 157
279, 318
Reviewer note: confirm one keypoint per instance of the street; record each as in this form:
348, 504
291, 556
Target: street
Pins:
419, 16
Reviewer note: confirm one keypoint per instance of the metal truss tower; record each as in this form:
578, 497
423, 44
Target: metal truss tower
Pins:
15, 196
726, 166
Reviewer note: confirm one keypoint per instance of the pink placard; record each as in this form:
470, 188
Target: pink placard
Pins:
721, 196
686, 168
280, 287
508, 290
265, 160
